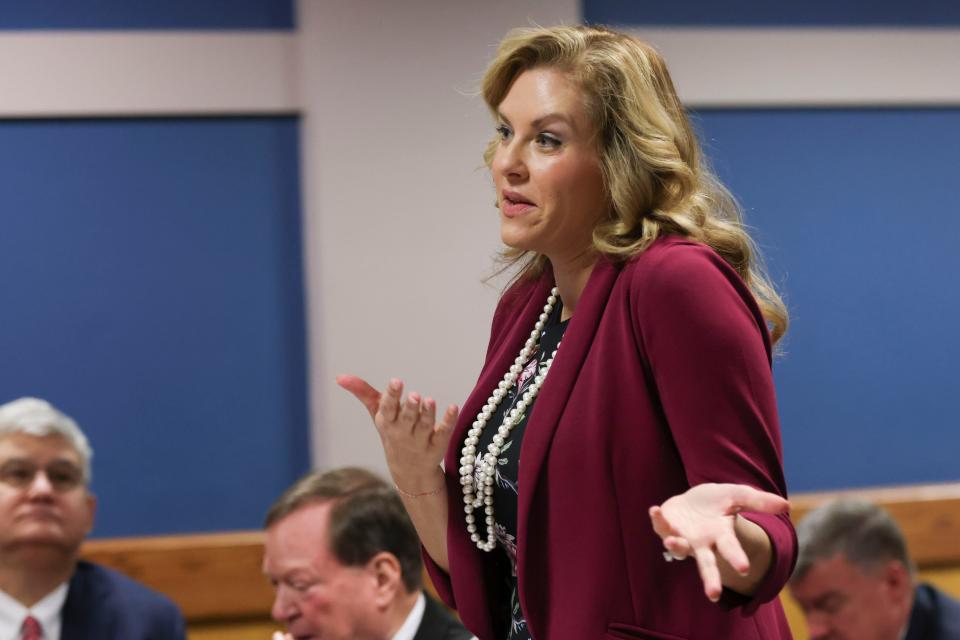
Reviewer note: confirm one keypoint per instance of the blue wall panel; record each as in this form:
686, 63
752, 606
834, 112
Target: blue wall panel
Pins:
893, 13
858, 214
146, 14
152, 281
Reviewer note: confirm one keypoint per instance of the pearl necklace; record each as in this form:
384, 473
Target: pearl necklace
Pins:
474, 497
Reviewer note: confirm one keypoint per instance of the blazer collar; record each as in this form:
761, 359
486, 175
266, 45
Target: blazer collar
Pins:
520, 307
556, 390
85, 609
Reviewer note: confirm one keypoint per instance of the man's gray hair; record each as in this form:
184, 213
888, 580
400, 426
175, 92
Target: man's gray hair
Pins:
36, 417
864, 533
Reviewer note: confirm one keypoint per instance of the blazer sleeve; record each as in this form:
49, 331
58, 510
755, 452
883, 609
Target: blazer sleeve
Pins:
707, 348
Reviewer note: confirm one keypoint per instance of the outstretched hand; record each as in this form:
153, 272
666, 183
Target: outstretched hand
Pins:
414, 440
702, 522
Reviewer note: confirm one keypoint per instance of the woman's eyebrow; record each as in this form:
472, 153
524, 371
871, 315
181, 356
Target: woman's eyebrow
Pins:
544, 119
550, 117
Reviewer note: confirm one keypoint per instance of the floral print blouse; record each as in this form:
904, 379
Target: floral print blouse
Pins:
506, 489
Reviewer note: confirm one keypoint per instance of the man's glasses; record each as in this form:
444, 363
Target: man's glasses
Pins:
20, 474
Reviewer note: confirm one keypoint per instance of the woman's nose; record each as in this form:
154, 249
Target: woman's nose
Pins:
509, 161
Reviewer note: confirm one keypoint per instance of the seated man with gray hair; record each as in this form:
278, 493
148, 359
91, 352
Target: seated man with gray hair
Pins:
46, 510
854, 579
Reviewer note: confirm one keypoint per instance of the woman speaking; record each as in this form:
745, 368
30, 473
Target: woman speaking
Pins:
617, 470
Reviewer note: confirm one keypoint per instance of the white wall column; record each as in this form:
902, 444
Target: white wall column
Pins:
400, 226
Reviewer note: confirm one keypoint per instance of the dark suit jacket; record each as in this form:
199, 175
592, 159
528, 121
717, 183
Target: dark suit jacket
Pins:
663, 381
440, 624
105, 605
935, 616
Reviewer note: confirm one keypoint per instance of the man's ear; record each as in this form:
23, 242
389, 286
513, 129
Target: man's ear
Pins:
91, 511
385, 569
897, 581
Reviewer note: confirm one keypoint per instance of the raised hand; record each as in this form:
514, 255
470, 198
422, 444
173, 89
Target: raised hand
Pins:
414, 441
702, 522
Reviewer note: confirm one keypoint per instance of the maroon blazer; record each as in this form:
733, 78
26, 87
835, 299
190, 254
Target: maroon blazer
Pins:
662, 382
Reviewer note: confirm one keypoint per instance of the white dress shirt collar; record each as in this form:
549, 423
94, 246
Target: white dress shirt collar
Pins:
409, 628
47, 612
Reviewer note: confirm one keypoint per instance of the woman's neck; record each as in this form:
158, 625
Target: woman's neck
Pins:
571, 278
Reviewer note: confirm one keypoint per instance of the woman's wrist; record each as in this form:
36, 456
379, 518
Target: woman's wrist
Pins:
758, 548
419, 485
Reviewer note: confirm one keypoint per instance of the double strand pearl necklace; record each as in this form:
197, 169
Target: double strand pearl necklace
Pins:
475, 497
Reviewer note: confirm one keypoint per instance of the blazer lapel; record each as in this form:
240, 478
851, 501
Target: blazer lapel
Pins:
84, 611
554, 394
509, 335
921, 615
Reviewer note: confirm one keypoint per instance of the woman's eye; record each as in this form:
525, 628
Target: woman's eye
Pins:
503, 132
547, 141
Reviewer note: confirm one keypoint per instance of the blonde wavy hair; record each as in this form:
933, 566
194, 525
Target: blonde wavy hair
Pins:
654, 171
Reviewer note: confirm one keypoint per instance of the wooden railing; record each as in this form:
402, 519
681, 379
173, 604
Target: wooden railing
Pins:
216, 578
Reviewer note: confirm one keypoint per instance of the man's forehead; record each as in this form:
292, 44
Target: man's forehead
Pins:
827, 575
312, 518
810, 591
305, 529
19, 444
298, 542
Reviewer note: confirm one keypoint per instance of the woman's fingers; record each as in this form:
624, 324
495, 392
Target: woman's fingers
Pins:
390, 402
448, 421
709, 573
745, 498
410, 412
678, 547
428, 416
732, 551
660, 524
442, 430
408, 426
702, 522
362, 391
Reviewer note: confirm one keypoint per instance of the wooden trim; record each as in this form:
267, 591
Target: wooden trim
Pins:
217, 576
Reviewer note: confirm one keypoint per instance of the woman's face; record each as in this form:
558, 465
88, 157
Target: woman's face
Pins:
546, 168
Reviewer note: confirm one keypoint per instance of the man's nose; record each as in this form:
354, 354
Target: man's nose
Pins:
40, 485
283, 607
818, 627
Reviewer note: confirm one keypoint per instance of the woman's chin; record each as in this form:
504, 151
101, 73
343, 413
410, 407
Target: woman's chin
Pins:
516, 239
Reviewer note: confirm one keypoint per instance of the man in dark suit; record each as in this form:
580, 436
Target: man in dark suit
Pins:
854, 579
344, 559
46, 510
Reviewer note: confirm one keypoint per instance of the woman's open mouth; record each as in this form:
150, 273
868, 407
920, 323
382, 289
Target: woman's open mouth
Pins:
513, 204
